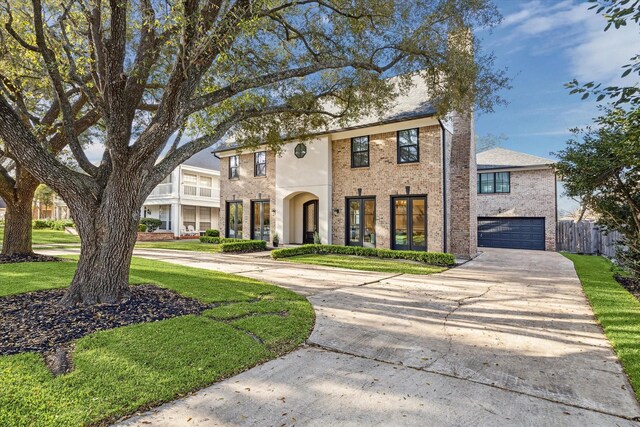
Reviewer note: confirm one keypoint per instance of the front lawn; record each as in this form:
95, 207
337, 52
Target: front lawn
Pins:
366, 263
616, 310
181, 245
48, 236
119, 371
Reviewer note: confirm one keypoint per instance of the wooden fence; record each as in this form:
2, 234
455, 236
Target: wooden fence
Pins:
586, 237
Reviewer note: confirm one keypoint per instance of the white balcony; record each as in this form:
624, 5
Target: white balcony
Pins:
162, 190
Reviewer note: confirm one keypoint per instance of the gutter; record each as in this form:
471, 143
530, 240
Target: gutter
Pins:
445, 213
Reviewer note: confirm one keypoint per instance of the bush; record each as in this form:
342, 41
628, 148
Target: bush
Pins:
61, 224
219, 240
142, 228
244, 246
431, 258
212, 233
39, 224
151, 223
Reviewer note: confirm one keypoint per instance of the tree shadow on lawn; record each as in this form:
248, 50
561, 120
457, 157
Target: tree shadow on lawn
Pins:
135, 367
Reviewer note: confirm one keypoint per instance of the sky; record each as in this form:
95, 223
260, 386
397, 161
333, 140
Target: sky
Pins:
543, 45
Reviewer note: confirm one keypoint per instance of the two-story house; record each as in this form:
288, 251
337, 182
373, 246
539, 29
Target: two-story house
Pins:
517, 205
187, 201
403, 180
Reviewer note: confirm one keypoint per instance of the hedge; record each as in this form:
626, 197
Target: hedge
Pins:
58, 225
244, 246
212, 233
431, 258
218, 240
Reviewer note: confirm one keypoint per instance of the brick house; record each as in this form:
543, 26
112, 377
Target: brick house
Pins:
516, 200
405, 180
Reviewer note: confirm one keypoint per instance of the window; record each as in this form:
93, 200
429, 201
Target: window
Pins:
189, 218
234, 170
498, 182
260, 164
360, 152
166, 180
205, 218
190, 184
234, 219
408, 147
361, 222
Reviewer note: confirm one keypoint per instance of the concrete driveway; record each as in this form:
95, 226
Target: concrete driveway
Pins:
507, 339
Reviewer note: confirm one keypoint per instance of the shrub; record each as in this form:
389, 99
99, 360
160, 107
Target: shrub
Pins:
212, 233
61, 224
142, 228
244, 246
219, 240
431, 258
151, 223
39, 224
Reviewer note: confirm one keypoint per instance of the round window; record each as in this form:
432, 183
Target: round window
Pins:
300, 150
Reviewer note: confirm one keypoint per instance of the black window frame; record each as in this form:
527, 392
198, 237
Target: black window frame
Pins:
234, 171
353, 165
262, 203
256, 164
410, 244
416, 145
227, 212
347, 213
495, 182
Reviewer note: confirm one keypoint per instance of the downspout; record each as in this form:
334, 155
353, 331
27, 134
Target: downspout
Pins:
444, 188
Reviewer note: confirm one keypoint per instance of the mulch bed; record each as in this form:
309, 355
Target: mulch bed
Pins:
630, 284
36, 322
12, 259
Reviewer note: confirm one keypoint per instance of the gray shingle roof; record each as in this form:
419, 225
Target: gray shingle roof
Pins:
2, 203
412, 104
204, 159
502, 158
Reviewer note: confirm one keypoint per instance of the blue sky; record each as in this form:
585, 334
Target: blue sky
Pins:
545, 44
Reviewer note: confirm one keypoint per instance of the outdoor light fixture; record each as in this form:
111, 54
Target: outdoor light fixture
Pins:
408, 189
336, 210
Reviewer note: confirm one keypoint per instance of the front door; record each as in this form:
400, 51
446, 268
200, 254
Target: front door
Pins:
361, 222
309, 220
410, 223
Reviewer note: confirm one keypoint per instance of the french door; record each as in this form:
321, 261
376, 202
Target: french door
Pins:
361, 222
309, 220
234, 219
261, 220
409, 223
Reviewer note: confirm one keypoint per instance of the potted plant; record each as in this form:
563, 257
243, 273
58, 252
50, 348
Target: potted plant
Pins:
275, 240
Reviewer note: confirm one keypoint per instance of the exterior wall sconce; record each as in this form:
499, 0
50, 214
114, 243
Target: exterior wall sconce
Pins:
273, 210
407, 189
359, 191
259, 195
336, 210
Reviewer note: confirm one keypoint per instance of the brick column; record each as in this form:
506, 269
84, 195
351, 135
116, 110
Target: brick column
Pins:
463, 175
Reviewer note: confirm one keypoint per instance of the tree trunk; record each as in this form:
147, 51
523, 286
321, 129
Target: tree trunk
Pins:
17, 226
108, 234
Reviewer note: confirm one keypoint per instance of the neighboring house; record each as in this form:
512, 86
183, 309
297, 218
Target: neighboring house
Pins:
405, 180
3, 209
517, 205
188, 200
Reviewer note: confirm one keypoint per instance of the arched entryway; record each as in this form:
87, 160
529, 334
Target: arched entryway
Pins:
301, 217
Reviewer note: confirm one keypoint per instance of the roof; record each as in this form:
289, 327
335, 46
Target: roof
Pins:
204, 159
501, 158
409, 105
2, 204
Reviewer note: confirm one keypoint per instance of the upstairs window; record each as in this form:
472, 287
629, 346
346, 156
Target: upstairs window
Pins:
497, 182
234, 170
408, 146
360, 152
260, 164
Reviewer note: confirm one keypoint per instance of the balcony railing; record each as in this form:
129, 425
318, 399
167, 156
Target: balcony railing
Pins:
162, 190
204, 192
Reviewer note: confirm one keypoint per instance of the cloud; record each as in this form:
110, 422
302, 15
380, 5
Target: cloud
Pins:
593, 54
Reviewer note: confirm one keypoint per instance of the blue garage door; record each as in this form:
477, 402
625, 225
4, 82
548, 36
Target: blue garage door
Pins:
511, 233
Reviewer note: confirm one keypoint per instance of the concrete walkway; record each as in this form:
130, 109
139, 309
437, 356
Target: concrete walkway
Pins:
507, 339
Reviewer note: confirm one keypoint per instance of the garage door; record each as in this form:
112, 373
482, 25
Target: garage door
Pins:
512, 233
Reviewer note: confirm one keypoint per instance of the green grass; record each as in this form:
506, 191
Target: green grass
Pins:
366, 263
47, 236
181, 245
616, 310
126, 369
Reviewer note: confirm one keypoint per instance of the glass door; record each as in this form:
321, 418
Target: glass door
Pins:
410, 223
234, 219
361, 222
309, 220
261, 220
